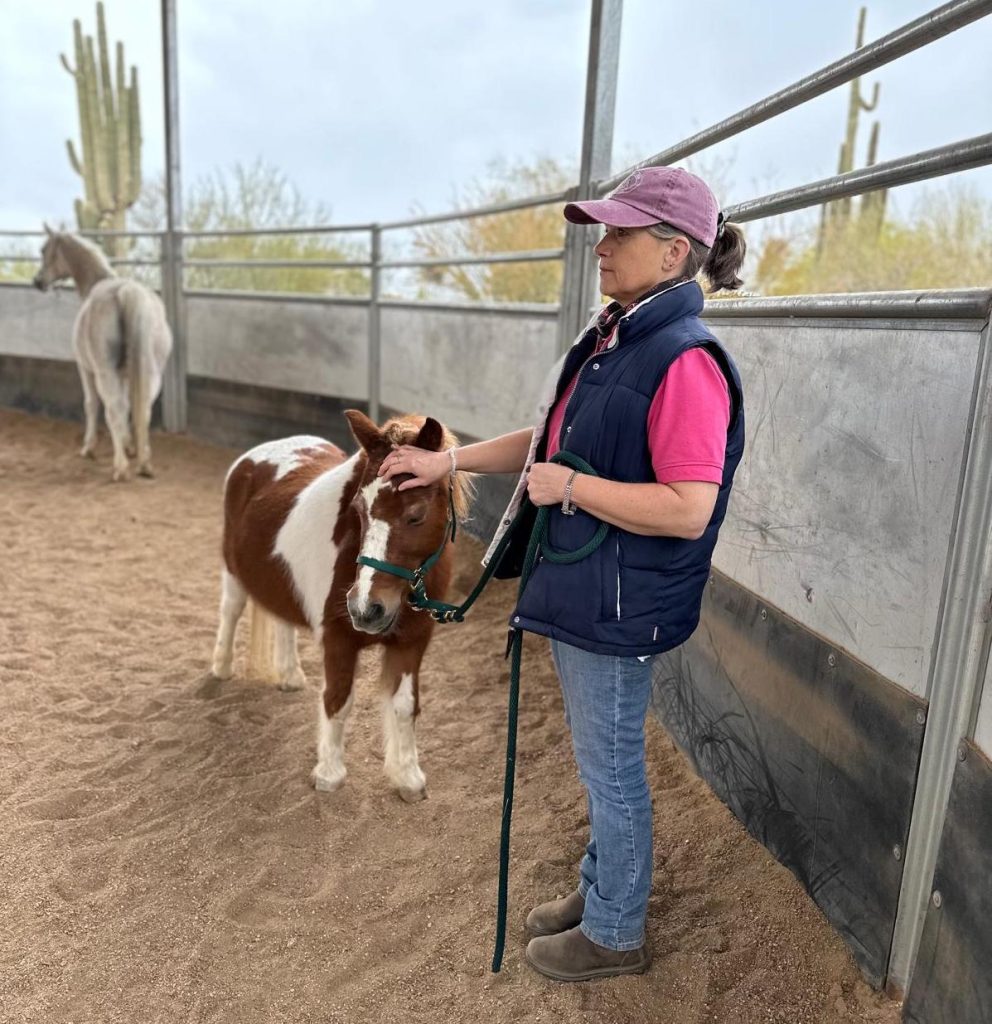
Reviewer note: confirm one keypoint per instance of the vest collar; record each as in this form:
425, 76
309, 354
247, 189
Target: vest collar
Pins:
684, 299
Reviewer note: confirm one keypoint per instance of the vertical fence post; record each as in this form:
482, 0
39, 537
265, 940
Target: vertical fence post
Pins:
375, 338
174, 385
957, 672
579, 281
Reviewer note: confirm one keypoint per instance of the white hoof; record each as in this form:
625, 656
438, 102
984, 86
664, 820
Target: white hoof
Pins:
222, 671
296, 681
86, 452
410, 784
327, 780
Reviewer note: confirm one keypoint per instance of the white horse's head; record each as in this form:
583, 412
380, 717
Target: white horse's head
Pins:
55, 264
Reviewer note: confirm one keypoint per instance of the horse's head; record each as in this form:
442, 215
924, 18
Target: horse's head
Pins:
54, 263
402, 528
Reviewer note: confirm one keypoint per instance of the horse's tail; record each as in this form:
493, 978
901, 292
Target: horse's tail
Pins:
138, 326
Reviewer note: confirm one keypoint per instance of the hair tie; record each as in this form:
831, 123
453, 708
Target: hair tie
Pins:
721, 225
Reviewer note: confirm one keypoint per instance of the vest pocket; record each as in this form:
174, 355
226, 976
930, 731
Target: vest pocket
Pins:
639, 594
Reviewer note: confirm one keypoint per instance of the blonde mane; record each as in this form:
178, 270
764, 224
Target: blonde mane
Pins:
89, 250
404, 430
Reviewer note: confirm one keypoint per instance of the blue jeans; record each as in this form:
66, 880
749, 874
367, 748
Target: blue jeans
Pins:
606, 701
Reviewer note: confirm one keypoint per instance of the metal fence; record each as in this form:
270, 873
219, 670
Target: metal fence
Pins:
579, 290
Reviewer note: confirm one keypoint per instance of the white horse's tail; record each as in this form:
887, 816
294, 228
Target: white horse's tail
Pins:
138, 327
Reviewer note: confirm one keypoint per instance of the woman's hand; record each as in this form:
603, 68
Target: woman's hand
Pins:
426, 467
546, 483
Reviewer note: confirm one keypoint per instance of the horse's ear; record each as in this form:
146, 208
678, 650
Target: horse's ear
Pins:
48, 230
366, 433
431, 436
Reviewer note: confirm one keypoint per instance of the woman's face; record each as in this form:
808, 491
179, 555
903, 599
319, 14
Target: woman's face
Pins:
632, 261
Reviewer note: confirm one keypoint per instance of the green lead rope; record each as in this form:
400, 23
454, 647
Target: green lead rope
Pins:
441, 611
538, 544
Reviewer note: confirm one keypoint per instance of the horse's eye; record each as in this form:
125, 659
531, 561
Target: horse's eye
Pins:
415, 520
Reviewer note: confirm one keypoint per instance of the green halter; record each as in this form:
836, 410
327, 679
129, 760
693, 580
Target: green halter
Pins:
417, 578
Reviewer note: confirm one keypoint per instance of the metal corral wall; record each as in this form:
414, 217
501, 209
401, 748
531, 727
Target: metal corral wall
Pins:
34, 325
803, 697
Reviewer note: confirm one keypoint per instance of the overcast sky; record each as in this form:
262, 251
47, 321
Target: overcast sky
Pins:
374, 106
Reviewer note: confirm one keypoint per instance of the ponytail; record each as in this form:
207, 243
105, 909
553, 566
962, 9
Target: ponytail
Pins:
725, 259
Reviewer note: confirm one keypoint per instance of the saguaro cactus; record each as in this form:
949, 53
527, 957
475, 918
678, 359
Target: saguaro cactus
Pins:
109, 130
837, 214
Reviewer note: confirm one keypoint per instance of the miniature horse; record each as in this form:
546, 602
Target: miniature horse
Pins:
297, 513
121, 341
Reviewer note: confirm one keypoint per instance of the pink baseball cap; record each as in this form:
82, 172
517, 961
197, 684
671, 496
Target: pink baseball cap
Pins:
652, 195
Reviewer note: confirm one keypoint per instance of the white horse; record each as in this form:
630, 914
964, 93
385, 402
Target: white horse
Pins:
121, 341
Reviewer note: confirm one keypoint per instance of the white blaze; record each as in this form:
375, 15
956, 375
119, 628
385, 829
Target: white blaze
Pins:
375, 543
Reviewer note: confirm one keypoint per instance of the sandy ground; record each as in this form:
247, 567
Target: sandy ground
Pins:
163, 857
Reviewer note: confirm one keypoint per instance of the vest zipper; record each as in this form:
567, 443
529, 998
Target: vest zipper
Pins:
578, 377
618, 577
562, 443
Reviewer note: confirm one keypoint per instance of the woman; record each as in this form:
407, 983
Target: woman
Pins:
651, 401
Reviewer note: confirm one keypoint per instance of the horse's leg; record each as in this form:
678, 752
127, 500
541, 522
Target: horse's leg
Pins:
340, 657
113, 392
91, 407
289, 671
142, 421
232, 603
400, 681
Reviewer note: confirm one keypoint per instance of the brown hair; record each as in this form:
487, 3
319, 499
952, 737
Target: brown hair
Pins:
720, 264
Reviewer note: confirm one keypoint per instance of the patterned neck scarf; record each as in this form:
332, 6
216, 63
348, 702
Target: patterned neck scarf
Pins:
612, 314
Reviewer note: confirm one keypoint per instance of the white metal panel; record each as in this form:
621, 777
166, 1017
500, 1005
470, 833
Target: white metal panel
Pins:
479, 372
842, 508
311, 347
37, 325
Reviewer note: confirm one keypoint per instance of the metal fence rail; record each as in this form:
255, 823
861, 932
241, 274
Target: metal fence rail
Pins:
912, 36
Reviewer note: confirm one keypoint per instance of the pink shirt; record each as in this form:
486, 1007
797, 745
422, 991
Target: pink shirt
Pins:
687, 422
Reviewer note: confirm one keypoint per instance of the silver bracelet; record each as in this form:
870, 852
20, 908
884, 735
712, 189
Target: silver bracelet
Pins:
454, 464
568, 507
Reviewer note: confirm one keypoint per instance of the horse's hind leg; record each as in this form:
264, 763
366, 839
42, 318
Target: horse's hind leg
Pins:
142, 418
340, 657
91, 407
113, 392
232, 603
400, 705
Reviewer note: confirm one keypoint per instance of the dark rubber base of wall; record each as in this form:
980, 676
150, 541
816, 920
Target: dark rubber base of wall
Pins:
952, 983
815, 753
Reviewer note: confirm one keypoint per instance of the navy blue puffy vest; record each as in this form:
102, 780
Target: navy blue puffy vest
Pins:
635, 595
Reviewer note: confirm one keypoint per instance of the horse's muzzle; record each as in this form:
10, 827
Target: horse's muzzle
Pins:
40, 283
374, 619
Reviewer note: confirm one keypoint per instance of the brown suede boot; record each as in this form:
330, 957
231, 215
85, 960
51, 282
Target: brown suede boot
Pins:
570, 956
556, 915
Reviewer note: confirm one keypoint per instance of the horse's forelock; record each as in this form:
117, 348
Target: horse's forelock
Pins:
404, 430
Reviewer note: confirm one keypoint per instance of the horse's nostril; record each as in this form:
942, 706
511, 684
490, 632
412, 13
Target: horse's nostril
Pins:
376, 611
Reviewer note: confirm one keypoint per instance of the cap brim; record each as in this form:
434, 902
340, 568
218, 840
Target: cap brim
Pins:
609, 212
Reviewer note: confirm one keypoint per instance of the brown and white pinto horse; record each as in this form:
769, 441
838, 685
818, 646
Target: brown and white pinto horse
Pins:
297, 513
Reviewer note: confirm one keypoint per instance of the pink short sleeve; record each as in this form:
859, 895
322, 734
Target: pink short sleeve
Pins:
688, 420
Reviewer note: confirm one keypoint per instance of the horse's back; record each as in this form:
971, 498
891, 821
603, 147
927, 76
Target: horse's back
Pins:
281, 503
